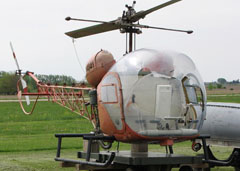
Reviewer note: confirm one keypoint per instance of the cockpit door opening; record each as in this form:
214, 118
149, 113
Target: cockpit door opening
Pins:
194, 101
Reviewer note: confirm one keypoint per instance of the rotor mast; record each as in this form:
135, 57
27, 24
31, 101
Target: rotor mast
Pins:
130, 30
131, 42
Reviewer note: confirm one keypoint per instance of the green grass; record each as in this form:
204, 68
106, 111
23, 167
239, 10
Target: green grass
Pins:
19, 132
27, 142
227, 98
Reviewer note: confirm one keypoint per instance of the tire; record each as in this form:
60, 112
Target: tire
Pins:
186, 168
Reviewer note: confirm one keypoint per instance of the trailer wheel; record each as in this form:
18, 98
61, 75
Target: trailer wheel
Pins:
186, 168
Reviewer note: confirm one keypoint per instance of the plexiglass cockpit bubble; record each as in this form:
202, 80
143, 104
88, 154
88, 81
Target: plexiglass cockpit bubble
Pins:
162, 94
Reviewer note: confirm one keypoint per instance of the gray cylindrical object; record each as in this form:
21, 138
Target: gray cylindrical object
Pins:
223, 124
93, 97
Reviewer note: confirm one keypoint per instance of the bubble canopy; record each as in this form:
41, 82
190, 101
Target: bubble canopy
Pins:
162, 94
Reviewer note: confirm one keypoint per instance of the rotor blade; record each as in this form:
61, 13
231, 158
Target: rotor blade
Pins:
86, 20
100, 28
162, 28
24, 86
14, 56
142, 14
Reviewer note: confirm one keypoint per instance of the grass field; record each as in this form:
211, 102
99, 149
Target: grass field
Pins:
224, 98
28, 142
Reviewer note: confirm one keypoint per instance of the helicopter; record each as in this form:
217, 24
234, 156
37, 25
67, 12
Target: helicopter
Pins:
147, 96
173, 105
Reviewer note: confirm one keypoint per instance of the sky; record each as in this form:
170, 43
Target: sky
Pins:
36, 29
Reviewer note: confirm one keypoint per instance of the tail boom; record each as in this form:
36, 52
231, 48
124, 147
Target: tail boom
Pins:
70, 97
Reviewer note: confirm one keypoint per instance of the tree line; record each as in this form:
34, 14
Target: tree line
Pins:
8, 82
221, 83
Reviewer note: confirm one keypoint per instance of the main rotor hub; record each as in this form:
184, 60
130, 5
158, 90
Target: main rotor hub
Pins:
130, 30
130, 12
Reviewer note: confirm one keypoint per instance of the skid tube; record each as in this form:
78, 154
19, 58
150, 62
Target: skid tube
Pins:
90, 137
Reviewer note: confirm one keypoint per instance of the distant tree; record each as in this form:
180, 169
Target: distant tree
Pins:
1, 74
210, 86
219, 85
8, 82
57, 79
235, 81
221, 80
84, 82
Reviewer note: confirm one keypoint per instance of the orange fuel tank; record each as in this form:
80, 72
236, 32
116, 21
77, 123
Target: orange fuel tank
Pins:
97, 66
